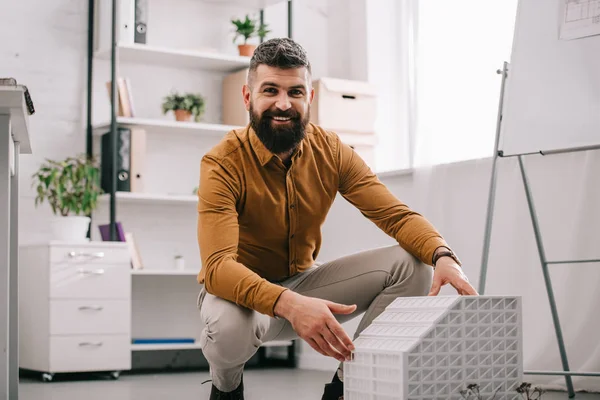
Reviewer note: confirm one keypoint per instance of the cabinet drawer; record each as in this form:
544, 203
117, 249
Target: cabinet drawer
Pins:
90, 353
85, 281
82, 317
89, 254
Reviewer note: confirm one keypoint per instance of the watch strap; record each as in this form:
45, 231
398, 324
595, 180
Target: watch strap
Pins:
444, 253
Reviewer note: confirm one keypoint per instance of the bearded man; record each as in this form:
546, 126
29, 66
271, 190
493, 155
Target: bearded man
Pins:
264, 193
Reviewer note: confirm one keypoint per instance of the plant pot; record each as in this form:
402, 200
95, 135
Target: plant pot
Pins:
183, 115
70, 229
246, 49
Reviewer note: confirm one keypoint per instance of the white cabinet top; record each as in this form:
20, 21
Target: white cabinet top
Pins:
87, 244
12, 102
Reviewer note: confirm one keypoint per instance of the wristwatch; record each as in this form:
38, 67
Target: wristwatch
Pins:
440, 252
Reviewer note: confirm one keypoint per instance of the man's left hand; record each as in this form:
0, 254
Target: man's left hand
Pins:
448, 271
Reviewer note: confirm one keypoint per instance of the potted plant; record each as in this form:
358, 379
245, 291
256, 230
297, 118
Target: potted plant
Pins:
71, 187
247, 29
184, 106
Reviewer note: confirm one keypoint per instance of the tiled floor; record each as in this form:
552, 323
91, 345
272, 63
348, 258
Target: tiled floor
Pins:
261, 384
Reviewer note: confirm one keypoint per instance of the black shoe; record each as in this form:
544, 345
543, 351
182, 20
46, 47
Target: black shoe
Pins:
236, 394
334, 390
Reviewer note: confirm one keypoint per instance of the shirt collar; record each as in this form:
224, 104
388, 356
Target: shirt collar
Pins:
264, 155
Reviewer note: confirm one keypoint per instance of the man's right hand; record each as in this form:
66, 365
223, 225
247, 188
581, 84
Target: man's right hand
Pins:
313, 321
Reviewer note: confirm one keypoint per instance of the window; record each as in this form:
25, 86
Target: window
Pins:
459, 47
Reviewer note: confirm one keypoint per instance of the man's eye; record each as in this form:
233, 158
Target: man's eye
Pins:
296, 92
271, 90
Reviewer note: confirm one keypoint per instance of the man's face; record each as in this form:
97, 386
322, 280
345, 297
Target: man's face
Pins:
279, 106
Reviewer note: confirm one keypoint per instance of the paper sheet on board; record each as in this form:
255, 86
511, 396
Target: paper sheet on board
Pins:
581, 18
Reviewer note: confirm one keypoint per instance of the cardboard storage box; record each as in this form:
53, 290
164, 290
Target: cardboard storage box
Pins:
343, 105
233, 109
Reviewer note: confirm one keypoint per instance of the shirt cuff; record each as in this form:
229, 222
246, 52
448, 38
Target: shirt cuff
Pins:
265, 303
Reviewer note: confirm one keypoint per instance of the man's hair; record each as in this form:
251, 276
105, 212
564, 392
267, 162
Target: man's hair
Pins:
282, 53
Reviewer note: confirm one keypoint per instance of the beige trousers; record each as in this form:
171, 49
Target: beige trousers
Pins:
372, 279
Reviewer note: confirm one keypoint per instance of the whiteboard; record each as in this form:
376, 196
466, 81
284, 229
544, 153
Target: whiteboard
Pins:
552, 91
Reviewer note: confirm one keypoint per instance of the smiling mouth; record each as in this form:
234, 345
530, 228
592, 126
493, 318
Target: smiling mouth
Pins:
281, 119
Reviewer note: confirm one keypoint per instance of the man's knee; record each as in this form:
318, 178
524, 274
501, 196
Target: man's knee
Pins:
231, 334
410, 271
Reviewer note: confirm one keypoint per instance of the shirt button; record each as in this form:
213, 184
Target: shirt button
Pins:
291, 237
292, 206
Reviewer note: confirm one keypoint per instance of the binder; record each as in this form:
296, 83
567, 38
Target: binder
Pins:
141, 21
131, 158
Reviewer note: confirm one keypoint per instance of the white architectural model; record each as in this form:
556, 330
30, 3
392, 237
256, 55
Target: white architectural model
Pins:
434, 347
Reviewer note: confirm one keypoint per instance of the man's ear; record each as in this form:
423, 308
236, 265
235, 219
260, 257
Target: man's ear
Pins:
246, 94
312, 95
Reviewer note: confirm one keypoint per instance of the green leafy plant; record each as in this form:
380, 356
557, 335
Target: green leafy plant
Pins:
248, 28
194, 103
262, 31
71, 186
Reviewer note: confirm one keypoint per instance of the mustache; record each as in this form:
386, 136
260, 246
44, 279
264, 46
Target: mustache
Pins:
279, 113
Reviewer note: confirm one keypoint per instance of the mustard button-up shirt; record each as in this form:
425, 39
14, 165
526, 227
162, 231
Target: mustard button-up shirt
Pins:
259, 222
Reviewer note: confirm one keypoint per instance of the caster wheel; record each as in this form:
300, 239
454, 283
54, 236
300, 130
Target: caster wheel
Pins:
47, 377
115, 375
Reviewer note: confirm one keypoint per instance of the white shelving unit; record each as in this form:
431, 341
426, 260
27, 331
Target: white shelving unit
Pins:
162, 56
166, 126
163, 298
149, 198
163, 272
194, 346
157, 347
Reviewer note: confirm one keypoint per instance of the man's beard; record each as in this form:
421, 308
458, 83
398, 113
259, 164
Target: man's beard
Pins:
279, 139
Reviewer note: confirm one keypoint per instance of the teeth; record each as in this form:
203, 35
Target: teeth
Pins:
281, 118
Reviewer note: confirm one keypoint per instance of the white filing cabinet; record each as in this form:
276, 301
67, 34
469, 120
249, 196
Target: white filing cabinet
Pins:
75, 308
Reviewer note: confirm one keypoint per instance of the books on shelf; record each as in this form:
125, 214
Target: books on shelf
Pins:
124, 98
127, 237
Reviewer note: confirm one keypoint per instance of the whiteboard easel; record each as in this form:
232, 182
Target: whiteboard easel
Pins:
550, 105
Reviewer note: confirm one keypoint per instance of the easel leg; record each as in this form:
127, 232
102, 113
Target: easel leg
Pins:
544, 262
492, 193
488, 228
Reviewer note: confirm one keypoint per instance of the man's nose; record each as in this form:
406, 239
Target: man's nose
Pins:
283, 102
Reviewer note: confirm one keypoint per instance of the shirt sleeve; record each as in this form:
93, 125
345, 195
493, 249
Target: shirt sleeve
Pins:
218, 235
362, 188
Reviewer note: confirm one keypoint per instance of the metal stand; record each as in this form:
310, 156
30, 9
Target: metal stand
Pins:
492, 193
540, 246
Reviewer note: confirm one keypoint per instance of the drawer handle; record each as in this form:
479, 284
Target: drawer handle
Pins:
74, 254
93, 308
90, 344
99, 271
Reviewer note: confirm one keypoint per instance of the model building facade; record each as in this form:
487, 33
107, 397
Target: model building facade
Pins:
434, 347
